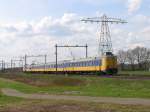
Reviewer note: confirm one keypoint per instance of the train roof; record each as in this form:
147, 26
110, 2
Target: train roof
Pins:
70, 61
76, 60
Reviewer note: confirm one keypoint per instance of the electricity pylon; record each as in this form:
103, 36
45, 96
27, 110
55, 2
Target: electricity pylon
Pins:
105, 43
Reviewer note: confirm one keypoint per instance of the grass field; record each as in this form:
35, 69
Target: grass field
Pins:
72, 85
135, 73
78, 85
71, 106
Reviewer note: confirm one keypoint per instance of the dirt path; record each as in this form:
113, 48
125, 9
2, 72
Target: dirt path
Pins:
130, 101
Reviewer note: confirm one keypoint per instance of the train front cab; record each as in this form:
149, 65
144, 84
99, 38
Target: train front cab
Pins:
109, 64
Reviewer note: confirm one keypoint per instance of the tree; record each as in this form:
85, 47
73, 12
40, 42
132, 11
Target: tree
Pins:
137, 58
131, 59
140, 55
122, 58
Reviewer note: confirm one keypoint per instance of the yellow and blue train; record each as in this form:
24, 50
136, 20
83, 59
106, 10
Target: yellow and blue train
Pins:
104, 65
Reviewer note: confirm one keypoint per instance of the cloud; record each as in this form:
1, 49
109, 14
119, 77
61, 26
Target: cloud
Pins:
40, 37
134, 5
135, 33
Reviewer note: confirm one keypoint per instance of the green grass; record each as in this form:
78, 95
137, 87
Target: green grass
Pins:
89, 86
83, 85
135, 73
6, 100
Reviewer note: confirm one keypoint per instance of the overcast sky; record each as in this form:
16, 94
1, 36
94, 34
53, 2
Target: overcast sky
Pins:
35, 26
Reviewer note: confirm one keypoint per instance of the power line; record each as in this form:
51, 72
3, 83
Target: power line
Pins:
105, 43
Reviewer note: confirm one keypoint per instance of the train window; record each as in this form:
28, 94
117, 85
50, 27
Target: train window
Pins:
96, 63
78, 64
86, 63
75, 64
89, 63
93, 63
82, 64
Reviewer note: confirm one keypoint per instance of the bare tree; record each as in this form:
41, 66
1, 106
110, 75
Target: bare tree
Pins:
122, 58
131, 59
140, 55
138, 58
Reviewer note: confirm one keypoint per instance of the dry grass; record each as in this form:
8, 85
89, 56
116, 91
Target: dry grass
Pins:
51, 108
42, 81
68, 81
70, 106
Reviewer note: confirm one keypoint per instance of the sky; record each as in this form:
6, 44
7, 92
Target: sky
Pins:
33, 27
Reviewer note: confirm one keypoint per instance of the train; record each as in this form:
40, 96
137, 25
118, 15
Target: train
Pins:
94, 65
